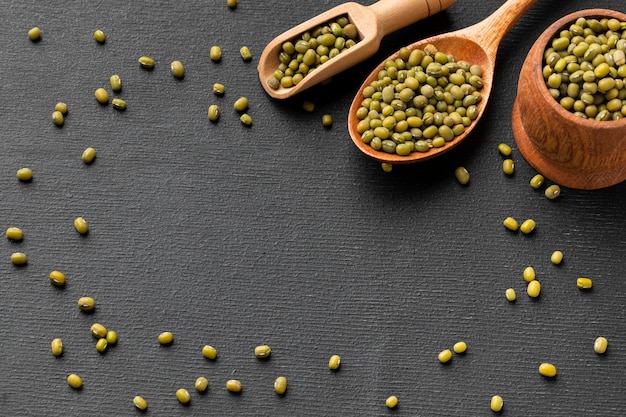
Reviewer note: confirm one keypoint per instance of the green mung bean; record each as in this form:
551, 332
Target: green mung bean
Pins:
215, 53
89, 154
504, 149
600, 345
214, 112
209, 352
62, 107
334, 362
496, 404
460, 347
233, 385
280, 385
34, 34
262, 351
111, 337
166, 338
387, 167
327, 120
99, 36
74, 381
557, 257
81, 226
118, 104
19, 258
201, 384
98, 330
57, 347
529, 274
102, 96
24, 174
183, 395
391, 402
308, 106
15, 233
146, 62
508, 166
511, 224
445, 356
218, 89
246, 55
510, 294
57, 118
547, 370
462, 175
140, 403
534, 288
528, 226
553, 192
537, 181
246, 119
57, 278
241, 104
102, 345
116, 82
86, 303
584, 283
177, 69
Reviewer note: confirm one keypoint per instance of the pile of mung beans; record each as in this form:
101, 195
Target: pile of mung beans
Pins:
585, 68
419, 101
313, 48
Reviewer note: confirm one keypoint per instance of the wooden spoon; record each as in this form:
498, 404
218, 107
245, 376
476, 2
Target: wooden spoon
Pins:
477, 44
372, 22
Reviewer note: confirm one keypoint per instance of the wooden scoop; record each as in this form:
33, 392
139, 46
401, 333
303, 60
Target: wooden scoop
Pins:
477, 44
372, 22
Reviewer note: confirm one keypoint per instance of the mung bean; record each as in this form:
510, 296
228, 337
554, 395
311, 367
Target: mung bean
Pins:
201, 384
547, 370
57, 278
99, 36
102, 96
177, 69
387, 167
74, 381
118, 104
527, 226
233, 385
533, 289
511, 224
445, 356
98, 330
215, 53
462, 175
34, 34
24, 174
584, 283
86, 303
537, 181
57, 347
214, 112
508, 166
391, 402
218, 89
101, 345
246, 119
308, 105
166, 338
496, 403
553, 191
327, 120
116, 82
209, 352
529, 274
262, 351
241, 104
111, 337
62, 107
556, 257
510, 294
146, 62
504, 149
280, 385
334, 362
57, 118
140, 403
460, 347
600, 345
81, 226
19, 258
246, 55
183, 396
89, 154
15, 233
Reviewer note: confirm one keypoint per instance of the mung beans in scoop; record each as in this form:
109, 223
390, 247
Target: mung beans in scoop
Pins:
421, 100
315, 47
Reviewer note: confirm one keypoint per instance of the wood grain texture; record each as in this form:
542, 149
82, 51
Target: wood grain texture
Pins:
281, 234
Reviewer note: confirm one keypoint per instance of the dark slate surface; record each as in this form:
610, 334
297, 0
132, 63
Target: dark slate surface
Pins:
282, 233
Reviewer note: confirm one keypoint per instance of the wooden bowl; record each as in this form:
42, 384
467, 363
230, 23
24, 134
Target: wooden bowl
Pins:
567, 149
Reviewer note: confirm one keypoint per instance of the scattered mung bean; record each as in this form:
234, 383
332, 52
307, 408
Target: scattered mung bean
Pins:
214, 112
24, 174
511, 224
308, 105
146, 62
460, 347
140, 403
445, 356
89, 154
183, 396
116, 82
209, 352
510, 294
529, 274
584, 283
246, 55
528, 226
81, 226
102, 96
386, 166
553, 192
74, 381
19, 258
557, 257
233, 385
504, 149
334, 362
111, 337
166, 338
547, 370
201, 384
280, 385
99, 36
496, 403
177, 69
462, 175
600, 345
57, 347
391, 402
34, 34
241, 104
86, 303
218, 89
15, 233
62, 107
57, 118
537, 181
215, 53
534, 288
98, 330
508, 166
327, 120
246, 119
101, 345
118, 104
262, 351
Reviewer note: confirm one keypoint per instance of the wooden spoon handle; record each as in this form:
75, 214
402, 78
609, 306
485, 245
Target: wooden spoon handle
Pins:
396, 14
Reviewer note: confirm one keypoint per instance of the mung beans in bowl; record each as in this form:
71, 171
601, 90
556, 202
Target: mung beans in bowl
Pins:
569, 116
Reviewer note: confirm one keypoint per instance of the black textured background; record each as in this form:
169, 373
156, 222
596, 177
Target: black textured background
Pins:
282, 233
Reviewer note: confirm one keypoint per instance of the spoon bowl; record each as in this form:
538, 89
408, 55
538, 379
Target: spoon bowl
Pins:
477, 44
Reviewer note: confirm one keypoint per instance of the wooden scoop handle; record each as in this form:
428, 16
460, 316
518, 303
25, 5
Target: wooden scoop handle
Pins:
396, 14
